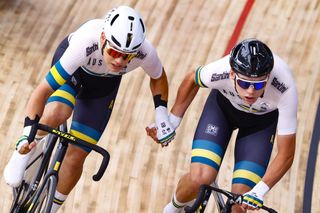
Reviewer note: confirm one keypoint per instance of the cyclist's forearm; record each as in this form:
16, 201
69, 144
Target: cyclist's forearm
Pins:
186, 93
277, 169
282, 161
38, 99
160, 86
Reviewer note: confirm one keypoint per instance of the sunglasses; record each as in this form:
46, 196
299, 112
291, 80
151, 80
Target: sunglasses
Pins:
117, 54
245, 84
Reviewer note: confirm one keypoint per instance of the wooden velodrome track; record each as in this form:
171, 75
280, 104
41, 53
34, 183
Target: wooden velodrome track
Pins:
142, 176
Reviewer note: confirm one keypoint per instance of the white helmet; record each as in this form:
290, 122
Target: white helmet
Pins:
124, 29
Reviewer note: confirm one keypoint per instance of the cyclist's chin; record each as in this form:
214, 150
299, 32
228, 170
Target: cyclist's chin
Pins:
115, 68
249, 100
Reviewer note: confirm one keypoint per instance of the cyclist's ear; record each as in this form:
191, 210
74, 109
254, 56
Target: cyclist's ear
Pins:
232, 74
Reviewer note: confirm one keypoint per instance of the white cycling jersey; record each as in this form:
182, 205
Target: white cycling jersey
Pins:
84, 51
280, 92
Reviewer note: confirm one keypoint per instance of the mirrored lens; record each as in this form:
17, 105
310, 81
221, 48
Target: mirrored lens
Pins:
258, 85
116, 54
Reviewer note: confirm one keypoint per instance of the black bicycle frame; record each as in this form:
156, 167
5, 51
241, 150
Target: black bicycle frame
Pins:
232, 200
34, 192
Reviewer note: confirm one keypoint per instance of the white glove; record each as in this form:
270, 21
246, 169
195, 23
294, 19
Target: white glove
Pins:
254, 198
29, 131
174, 120
165, 130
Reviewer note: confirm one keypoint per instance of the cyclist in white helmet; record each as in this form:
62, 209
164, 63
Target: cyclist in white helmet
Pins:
252, 90
86, 72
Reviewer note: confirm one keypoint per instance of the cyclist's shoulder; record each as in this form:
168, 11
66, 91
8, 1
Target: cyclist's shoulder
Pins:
88, 31
216, 70
219, 65
147, 52
281, 76
92, 24
281, 65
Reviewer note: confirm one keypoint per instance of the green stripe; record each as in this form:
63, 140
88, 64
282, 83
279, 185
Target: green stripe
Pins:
176, 205
198, 80
22, 138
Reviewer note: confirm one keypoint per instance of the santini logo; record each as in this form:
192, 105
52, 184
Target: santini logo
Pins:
212, 130
280, 86
91, 49
217, 77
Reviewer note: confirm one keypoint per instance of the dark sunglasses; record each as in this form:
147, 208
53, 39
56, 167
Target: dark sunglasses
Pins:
245, 84
117, 54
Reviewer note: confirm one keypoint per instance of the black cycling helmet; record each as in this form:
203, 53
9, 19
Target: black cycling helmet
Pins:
251, 58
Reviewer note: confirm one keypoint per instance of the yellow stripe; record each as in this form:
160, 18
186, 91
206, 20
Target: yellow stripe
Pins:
83, 136
30, 207
241, 173
66, 95
56, 166
56, 75
252, 200
199, 80
207, 154
58, 201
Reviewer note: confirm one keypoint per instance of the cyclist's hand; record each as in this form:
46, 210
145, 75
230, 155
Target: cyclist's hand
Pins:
152, 132
254, 199
25, 142
165, 129
23, 146
152, 129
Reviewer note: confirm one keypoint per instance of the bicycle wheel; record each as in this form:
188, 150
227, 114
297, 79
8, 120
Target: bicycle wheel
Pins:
45, 200
22, 193
218, 198
34, 173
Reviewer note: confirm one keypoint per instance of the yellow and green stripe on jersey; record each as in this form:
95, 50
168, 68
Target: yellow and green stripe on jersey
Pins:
198, 79
57, 76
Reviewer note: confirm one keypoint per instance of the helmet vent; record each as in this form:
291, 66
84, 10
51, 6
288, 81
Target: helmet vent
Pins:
115, 41
129, 39
136, 46
254, 63
114, 19
142, 25
131, 18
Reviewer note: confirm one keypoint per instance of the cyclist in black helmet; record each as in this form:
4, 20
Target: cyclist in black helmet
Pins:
253, 91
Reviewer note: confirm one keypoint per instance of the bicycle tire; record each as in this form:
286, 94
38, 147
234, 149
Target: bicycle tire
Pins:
18, 194
44, 194
45, 201
23, 194
219, 201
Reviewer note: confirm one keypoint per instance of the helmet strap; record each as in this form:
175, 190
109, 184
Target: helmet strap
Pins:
103, 46
235, 86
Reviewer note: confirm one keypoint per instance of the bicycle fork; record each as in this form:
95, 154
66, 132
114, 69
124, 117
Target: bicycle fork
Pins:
53, 171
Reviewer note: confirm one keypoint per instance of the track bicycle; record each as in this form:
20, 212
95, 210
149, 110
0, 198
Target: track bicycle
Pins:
201, 201
36, 192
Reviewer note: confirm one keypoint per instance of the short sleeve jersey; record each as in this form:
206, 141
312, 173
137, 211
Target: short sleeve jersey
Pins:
280, 92
84, 51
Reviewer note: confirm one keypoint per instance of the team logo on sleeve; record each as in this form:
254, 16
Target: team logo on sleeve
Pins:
212, 129
90, 50
141, 55
279, 85
217, 77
